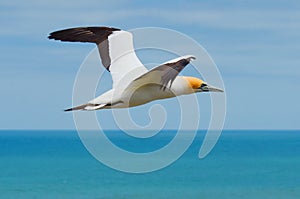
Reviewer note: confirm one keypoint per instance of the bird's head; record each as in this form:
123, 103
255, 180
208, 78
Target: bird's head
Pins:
199, 85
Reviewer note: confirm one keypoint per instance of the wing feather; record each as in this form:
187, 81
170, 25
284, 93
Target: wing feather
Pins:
115, 48
166, 73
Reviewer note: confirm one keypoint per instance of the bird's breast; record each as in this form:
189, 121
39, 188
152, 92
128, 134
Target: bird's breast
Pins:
147, 93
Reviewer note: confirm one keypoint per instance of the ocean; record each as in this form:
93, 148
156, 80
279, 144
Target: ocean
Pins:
244, 164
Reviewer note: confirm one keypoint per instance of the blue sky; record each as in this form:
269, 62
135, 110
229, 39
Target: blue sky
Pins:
255, 45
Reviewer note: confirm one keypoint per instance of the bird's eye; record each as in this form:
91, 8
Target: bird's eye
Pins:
203, 85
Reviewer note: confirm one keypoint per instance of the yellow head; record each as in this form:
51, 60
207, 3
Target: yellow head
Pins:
194, 82
199, 85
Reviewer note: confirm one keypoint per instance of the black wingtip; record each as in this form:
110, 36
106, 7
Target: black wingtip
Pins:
50, 37
83, 34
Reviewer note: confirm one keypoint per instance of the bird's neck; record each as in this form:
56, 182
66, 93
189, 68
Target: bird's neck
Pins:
181, 86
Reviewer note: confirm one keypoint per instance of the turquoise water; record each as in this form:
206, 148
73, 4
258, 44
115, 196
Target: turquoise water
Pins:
244, 164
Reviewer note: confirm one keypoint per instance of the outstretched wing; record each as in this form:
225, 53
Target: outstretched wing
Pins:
164, 74
115, 47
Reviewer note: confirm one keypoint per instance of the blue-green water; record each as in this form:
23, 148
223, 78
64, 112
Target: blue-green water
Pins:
244, 164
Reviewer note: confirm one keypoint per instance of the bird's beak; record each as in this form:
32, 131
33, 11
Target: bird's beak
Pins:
208, 88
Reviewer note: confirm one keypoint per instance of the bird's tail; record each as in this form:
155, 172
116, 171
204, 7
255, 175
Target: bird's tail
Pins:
88, 107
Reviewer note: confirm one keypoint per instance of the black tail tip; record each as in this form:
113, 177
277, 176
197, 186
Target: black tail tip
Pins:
69, 109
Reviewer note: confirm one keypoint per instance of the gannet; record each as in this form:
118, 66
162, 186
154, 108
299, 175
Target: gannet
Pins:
133, 83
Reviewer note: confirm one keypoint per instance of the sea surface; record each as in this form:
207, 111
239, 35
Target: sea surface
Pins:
243, 164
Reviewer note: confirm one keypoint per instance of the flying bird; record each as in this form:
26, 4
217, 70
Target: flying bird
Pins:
133, 83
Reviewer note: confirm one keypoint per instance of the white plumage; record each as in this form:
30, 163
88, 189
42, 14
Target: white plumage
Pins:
133, 84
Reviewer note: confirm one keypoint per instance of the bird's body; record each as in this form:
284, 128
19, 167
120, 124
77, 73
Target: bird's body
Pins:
132, 96
133, 84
